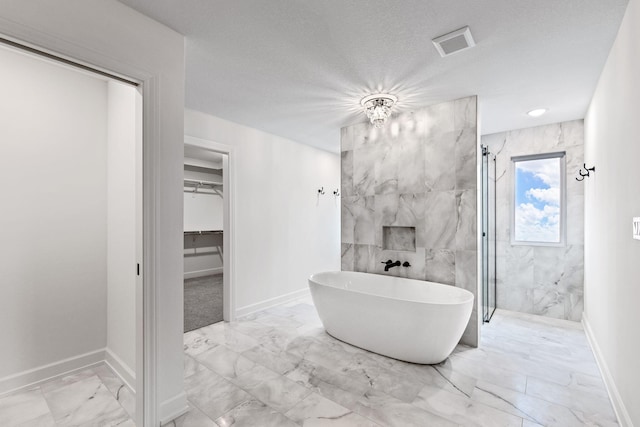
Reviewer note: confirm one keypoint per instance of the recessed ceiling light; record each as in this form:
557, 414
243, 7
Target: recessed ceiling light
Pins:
537, 112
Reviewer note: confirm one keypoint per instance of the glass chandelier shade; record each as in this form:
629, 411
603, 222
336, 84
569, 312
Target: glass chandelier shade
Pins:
378, 107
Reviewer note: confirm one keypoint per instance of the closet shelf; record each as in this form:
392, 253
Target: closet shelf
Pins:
201, 232
196, 183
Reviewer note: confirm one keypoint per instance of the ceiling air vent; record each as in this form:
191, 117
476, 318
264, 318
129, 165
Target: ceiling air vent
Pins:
454, 41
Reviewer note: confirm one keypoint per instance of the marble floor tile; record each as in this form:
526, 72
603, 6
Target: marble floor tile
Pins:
45, 420
316, 410
65, 380
388, 411
230, 338
193, 418
118, 388
280, 362
273, 320
254, 413
583, 398
536, 410
81, 398
279, 393
528, 371
463, 410
212, 394
469, 372
85, 401
249, 327
195, 343
225, 362
441, 376
127, 400
254, 377
279, 338
279, 368
191, 366
21, 407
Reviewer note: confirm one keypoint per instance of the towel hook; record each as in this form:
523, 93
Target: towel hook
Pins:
321, 190
586, 172
336, 192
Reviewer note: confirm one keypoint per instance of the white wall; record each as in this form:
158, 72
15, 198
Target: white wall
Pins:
284, 232
53, 224
612, 286
110, 35
122, 190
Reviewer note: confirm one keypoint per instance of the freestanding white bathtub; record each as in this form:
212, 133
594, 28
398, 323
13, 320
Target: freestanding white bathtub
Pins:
410, 320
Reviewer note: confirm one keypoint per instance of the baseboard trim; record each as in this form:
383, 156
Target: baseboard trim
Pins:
121, 369
50, 371
202, 273
263, 305
172, 408
624, 419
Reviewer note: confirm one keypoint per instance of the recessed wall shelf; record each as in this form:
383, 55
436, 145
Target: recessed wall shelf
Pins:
399, 238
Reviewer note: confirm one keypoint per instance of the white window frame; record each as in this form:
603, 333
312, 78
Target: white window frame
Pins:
562, 155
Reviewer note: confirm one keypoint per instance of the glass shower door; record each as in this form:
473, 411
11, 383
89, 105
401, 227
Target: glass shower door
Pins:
488, 234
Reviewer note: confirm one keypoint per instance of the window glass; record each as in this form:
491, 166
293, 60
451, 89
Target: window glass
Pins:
538, 197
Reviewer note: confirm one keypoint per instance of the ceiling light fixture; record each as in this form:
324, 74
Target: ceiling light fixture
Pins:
378, 107
537, 112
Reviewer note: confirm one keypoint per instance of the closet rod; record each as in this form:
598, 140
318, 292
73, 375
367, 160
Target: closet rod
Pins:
197, 182
66, 61
198, 233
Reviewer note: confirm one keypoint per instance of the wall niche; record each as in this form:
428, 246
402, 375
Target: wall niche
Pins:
398, 238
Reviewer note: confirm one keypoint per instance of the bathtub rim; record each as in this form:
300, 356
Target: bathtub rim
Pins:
469, 294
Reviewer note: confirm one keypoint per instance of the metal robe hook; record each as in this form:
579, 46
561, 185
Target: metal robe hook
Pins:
321, 190
336, 192
586, 172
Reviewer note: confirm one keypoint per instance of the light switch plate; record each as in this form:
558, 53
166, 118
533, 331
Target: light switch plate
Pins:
636, 227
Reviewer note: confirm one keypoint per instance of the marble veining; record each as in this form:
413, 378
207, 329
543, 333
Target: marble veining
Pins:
528, 371
419, 171
548, 281
91, 397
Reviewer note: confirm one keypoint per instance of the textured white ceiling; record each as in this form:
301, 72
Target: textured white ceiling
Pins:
299, 68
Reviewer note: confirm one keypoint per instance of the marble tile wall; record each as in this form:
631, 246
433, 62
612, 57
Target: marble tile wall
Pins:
540, 280
420, 171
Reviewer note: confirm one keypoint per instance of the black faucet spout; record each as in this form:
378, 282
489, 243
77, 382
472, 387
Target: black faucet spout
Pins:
389, 265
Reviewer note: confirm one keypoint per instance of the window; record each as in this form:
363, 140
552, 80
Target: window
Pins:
538, 215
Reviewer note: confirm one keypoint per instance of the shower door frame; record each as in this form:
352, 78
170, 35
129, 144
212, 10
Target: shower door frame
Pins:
487, 230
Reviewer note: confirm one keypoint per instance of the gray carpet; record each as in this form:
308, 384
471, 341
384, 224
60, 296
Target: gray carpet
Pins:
202, 301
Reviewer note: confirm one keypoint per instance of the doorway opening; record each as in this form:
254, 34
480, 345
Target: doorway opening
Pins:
71, 179
208, 233
204, 195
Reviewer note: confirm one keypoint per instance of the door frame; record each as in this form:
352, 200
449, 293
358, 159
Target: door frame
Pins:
228, 219
147, 407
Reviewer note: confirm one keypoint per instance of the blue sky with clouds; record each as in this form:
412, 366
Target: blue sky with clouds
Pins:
537, 207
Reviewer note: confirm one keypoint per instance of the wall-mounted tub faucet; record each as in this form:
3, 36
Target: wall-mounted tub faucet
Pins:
390, 264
